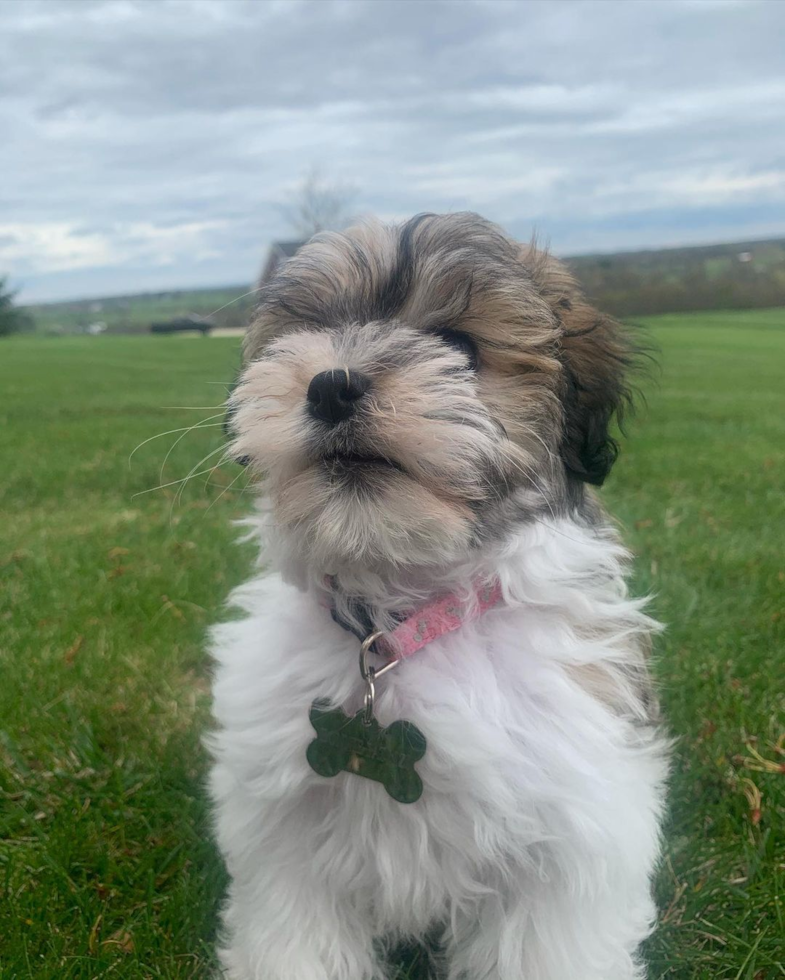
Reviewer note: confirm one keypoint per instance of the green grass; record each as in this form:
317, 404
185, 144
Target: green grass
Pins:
106, 863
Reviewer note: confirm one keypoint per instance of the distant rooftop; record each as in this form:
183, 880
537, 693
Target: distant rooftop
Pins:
288, 248
278, 254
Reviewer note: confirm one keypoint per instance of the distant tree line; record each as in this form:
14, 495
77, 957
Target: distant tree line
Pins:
744, 275
738, 276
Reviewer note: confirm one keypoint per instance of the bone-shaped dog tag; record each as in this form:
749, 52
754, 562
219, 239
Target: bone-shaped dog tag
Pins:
386, 755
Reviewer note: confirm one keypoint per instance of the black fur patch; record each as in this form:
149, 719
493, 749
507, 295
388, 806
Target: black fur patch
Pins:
393, 295
588, 449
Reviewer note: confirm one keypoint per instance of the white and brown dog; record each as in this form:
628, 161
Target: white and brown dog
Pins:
425, 405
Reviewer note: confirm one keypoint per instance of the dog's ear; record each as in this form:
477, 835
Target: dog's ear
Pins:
596, 359
596, 356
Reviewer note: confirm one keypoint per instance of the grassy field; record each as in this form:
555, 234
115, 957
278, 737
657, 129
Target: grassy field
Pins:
106, 864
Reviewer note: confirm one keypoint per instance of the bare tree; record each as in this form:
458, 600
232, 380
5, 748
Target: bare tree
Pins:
319, 205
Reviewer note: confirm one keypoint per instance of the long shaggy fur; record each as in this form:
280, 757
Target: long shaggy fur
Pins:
492, 385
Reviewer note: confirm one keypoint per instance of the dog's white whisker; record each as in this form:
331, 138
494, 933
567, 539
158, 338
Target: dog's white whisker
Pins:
227, 487
169, 432
172, 483
192, 408
192, 474
178, 440
233, 301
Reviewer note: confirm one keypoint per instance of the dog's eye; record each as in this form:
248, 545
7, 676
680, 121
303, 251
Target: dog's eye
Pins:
461, 342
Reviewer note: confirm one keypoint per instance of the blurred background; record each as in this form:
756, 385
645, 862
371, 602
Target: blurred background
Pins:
159, 159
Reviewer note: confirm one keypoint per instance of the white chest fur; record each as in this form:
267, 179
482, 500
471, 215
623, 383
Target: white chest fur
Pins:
541, 800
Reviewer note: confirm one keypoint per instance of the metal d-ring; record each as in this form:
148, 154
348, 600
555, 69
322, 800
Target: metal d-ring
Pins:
368, 698
369, 674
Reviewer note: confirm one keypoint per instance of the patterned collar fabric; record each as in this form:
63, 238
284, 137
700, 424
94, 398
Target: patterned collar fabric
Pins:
435, 619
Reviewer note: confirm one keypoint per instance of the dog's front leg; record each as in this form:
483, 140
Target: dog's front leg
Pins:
287, 928
547, 932
286, 917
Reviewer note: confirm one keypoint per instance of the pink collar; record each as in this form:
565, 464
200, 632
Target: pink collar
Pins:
437, 618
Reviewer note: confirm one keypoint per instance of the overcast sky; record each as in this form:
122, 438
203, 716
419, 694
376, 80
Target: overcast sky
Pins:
148, 144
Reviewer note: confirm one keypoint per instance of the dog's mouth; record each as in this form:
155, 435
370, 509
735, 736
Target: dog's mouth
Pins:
359, 461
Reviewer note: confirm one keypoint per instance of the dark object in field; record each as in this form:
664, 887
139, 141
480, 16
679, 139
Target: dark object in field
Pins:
180, 323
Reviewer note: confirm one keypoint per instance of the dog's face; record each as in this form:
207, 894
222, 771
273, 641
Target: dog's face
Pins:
411, 391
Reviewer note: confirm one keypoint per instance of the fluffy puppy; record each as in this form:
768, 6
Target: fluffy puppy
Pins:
425, 405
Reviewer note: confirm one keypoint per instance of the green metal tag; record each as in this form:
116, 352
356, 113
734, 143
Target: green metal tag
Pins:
384, 754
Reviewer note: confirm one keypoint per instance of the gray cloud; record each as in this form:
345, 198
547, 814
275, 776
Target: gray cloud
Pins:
149, 145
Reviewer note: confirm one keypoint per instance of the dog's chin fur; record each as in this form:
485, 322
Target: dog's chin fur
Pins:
530, 852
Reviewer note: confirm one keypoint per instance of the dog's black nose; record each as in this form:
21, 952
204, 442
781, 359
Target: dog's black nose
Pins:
333, 395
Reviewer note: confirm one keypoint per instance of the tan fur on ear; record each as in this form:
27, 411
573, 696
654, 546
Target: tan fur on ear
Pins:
596, 355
